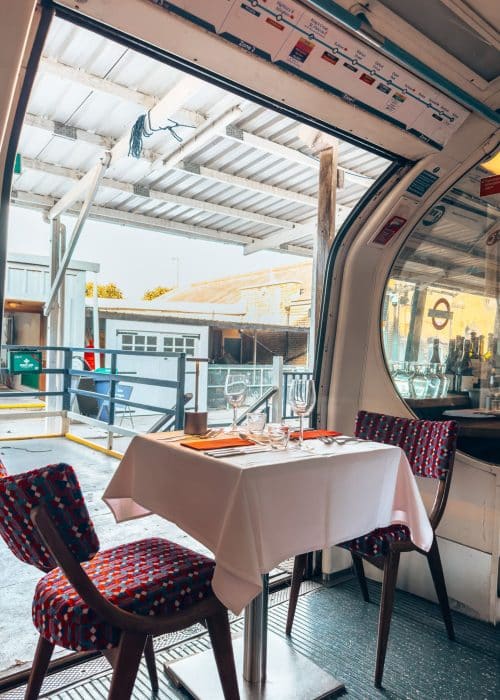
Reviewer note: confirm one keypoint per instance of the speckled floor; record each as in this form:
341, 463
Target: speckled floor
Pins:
337, 630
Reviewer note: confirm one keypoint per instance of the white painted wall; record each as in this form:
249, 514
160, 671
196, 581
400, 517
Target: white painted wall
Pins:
158, 367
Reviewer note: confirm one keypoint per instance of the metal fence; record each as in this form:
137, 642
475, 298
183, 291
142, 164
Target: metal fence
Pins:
261, 378
70, 385
101, 396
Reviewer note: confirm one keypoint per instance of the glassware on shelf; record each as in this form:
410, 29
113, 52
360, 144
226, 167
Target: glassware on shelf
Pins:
433, 381
444, 381
235, 391
302, 400
419, 383
401, 378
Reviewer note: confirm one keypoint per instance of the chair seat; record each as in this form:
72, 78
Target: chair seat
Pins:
376, 543
147, 577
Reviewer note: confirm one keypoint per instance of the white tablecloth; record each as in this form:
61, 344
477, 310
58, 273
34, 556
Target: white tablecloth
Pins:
256, 510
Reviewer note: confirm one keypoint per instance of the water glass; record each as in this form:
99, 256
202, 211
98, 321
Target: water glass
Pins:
256, 423
278, 435
302, 401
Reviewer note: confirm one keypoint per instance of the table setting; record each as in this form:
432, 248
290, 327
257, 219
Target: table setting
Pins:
255, 496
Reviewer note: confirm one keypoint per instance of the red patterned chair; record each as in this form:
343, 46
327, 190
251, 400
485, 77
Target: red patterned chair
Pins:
430, 447
114, 600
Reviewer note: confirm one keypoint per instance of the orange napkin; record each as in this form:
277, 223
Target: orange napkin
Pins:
311, 434
216, 444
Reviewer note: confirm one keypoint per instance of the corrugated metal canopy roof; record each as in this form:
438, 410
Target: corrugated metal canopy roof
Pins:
253, 179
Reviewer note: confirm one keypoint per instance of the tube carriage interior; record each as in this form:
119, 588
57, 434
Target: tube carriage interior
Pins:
408, 298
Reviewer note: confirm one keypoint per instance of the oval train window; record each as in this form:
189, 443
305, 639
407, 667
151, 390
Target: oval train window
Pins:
441, 312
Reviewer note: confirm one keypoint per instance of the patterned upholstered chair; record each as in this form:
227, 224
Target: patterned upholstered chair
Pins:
114, 600
430, 448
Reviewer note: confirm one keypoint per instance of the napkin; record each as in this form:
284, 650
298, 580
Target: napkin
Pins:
216, 444
311, 434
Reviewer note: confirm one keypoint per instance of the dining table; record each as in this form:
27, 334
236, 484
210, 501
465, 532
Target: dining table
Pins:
254, 509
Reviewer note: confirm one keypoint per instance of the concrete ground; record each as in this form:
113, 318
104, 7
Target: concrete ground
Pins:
17, 580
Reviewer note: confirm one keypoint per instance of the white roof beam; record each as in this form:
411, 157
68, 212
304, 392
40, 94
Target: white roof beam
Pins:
71, 133
287, 153
268, 146
275, 240
246, 184
97, 213
100, 141
293, 228
167, 106
95, 82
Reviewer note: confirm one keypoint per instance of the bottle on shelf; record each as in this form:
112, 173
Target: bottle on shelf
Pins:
444, 381
435, 359
466, 377
459, 351
433, 381
475, 358
449, 369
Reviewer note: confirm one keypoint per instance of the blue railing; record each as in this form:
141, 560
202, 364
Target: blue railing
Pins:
111, 377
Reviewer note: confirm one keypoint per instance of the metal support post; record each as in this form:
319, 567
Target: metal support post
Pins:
277, 400
111, 396
181, 381
97, 174
255, 645
52, 402
66, 402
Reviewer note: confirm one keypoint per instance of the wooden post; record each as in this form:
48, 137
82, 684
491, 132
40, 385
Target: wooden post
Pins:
327, 195
416, 320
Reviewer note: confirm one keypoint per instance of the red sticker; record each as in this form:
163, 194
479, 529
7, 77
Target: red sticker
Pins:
490, 185
390, 229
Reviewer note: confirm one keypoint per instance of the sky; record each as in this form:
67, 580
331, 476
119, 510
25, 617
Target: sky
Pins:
136, 259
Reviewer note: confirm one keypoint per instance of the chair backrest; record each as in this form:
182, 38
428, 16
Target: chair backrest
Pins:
429, 445
56, 487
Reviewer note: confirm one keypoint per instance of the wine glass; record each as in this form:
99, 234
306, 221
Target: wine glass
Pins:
235, 391
302, 400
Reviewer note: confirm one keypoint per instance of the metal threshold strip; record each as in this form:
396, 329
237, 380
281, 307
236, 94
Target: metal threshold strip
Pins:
335, 629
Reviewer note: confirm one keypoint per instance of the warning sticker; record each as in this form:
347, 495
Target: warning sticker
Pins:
490, 185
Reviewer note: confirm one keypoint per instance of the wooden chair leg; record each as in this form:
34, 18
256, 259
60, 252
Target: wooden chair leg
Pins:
386, 604
41, 661
220, 636
439, 583
299, 566
126, 665
149, 653
360, 573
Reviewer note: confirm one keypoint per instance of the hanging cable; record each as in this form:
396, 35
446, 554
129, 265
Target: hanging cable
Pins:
143, 129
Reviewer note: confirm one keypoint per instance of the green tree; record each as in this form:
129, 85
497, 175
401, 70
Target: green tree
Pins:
156, 292
104, 291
